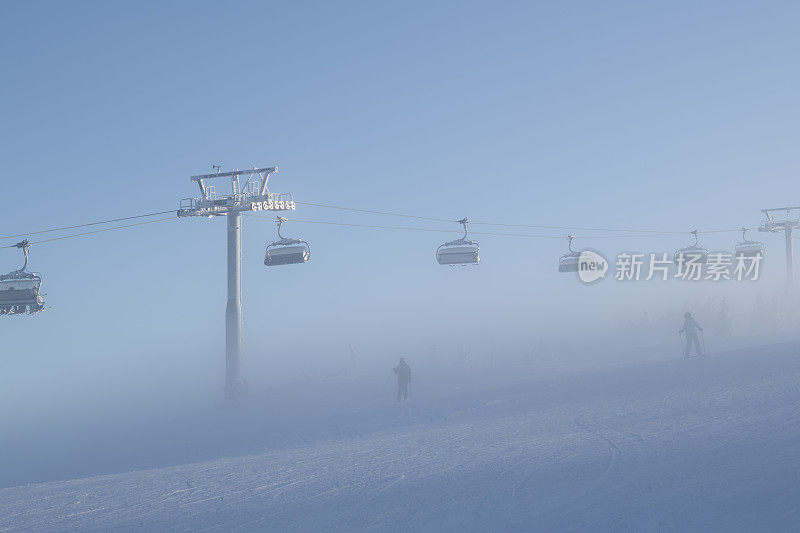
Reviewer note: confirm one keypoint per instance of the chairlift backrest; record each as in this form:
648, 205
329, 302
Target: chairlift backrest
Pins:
286, 254
464, 254
749, 249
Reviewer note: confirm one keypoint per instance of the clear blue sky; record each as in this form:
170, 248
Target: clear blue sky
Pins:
625, 114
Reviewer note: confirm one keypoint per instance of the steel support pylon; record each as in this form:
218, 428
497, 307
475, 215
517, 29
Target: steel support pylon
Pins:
235, 386
789, 257
248, 192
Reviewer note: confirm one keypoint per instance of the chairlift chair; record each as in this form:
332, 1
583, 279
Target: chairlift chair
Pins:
286, 251
460, 251
569, 262
19, 290
694, 253
748, 248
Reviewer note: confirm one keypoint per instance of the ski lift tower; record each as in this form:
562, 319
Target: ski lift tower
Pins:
249, 192
785, 219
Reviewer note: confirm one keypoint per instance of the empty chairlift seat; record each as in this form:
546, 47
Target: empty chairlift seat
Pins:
691, 254
569, 261
286, 251
748, 248
19, 290
695, 254
460, 251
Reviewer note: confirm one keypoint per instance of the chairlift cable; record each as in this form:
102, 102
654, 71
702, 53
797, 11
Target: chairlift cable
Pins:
503, 234
624, 232
374, 226
95, 231
386, 213
87, 224
501, 224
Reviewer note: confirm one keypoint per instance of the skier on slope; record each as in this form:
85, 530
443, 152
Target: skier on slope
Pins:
690, 327
403, 372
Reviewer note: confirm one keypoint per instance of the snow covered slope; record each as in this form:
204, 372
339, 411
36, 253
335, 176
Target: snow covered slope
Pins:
704, 443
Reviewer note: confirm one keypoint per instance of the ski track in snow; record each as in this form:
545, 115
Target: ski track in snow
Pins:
711, 443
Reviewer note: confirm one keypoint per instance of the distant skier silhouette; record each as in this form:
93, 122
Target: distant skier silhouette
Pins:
689, 329
403, 372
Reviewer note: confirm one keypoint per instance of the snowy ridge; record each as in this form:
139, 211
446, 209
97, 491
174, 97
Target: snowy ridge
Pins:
701, 443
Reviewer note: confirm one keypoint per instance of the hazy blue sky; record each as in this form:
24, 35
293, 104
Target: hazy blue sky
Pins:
674, 116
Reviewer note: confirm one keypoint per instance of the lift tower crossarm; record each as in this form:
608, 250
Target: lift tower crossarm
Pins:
270, 170
774, 224
263, 174
785, 219
253, 195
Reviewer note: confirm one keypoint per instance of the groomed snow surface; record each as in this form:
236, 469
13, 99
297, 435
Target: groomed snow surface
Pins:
707, 443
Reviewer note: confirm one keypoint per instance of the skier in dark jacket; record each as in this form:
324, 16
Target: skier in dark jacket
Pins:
403, 372
690, 327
